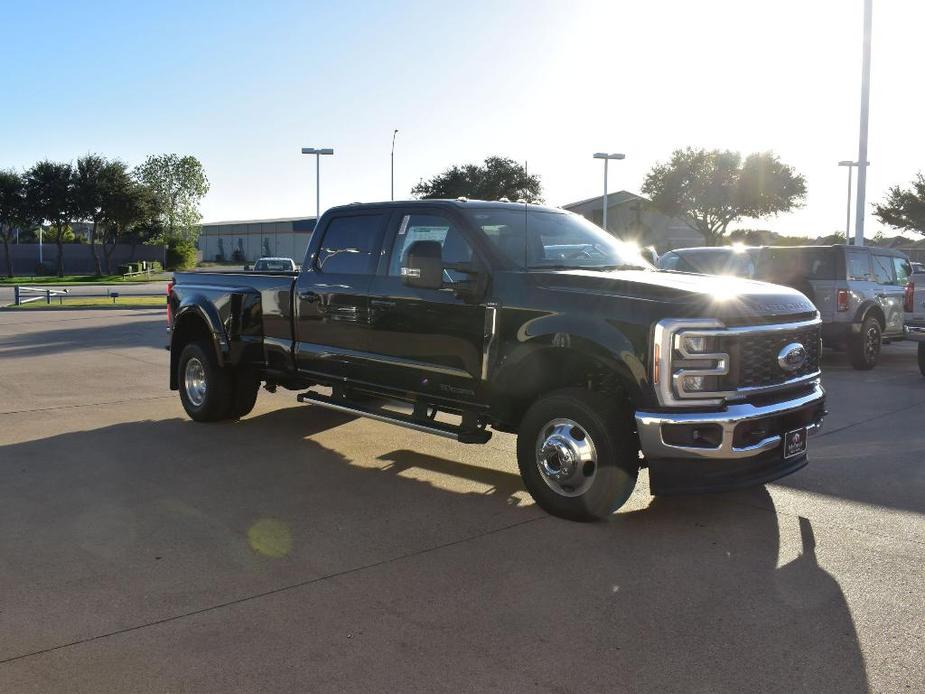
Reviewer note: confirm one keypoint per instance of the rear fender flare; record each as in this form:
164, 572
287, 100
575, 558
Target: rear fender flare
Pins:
869, 307
205, 314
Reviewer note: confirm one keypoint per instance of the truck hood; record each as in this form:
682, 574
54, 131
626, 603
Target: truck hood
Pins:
732, 299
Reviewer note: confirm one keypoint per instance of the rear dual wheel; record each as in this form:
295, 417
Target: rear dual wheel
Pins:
577, 454
210, 392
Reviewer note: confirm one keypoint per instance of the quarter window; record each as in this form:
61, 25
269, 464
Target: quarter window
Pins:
858, 266
350, 245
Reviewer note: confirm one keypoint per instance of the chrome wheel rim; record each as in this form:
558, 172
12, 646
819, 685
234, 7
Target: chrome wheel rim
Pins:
871, 344
194, 382
566, 457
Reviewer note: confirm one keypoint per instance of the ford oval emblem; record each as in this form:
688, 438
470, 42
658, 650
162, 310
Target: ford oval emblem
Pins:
792, 357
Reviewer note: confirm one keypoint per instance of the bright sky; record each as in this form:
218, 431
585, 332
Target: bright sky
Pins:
244, 85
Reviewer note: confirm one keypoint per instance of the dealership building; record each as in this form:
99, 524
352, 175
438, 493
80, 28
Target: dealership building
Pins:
247, 240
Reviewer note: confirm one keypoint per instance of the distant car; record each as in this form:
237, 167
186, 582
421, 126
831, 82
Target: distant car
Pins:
917, 268
862, 293
720, 260
275, 265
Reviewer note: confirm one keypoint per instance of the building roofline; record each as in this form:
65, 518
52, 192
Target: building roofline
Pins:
310, 218
598, 197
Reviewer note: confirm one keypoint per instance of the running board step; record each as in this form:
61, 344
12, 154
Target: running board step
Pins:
430, 427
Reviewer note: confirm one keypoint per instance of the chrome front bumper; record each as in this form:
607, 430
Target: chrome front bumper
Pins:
649, 426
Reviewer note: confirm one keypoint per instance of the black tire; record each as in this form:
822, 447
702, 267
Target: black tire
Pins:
922, 357
589, 492
245, 385
212, 402
864, 348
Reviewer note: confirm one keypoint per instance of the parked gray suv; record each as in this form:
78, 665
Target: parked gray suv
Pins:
861, 292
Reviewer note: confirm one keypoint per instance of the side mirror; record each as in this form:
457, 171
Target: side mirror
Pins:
423, 267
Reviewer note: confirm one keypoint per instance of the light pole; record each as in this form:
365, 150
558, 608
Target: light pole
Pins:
317, 152
862, 139
850, 165
394, 133
607, 157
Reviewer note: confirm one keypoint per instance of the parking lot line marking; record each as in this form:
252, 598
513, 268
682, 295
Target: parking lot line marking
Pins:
89, 404
275, 591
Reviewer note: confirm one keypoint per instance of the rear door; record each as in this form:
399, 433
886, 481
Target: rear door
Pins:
862, 285
427, 341
331, 295
889, 292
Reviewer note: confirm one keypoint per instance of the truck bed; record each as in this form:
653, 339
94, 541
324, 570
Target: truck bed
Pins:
255, 308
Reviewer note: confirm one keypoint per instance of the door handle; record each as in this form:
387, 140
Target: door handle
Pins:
308, 296
382, 303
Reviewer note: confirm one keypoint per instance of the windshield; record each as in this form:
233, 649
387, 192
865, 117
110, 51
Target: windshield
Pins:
535, 239
717, 262
273, 265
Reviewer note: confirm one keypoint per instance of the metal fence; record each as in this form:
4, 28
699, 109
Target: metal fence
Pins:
25, 295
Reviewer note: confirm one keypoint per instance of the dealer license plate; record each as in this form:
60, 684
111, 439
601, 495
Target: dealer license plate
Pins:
795, 443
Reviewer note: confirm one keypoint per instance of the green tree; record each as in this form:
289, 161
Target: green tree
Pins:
126, 205
89, 186
50, 193
178, 184
15, 212
713, 188
498, 177
904, 208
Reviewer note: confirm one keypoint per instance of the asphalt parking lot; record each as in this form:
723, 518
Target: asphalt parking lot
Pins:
303, 550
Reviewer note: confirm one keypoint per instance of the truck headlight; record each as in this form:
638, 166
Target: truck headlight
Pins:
688, 363
694, 344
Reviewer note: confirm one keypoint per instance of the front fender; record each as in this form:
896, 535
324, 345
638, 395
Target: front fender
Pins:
617, 350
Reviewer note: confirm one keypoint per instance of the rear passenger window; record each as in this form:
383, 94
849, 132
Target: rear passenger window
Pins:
350, 245
883, 269
425, 227
858, 266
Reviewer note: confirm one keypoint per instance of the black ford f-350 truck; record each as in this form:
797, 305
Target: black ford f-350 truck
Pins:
522, 319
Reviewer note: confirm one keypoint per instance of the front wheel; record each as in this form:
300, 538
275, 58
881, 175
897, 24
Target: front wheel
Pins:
577, 454
864, 348
922, 357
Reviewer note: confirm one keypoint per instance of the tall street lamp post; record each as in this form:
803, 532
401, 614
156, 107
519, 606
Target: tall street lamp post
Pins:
862, 139
317, 152
607, 157
394, 133
850, 165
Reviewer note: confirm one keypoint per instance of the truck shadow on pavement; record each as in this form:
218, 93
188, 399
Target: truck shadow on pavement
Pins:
141, 522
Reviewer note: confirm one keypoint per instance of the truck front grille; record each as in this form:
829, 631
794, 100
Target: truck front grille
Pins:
758, 353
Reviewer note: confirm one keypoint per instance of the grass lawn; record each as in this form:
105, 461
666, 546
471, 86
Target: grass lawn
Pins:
84, 280
95, 302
